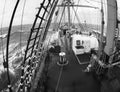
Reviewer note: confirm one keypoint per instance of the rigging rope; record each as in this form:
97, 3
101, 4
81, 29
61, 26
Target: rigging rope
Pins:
76, 9
59, 77
64, 18
89, 2
60, 74
57, 13
61, 17
3, 13
7, 47
91, 17
22, 25
55, 22
81, 26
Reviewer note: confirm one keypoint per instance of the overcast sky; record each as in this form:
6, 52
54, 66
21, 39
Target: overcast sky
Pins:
30, 11
29, 14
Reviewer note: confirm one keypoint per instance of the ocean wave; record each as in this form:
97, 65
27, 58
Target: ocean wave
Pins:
3, 35
14, 51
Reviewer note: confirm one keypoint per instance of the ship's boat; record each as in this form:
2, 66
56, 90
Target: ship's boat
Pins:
68, 57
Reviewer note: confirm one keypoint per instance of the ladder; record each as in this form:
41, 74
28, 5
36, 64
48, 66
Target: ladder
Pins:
35, 54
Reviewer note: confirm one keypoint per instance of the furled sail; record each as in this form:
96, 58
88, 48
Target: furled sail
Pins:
111, 26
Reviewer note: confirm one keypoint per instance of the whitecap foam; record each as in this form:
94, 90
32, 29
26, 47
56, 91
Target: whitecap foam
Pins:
3, 35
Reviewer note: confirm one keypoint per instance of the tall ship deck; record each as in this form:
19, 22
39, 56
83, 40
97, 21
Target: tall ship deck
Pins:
71, 77
62, 51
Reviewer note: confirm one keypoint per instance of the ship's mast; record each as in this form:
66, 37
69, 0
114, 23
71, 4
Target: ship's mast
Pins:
69, 22
102, 30
111, 27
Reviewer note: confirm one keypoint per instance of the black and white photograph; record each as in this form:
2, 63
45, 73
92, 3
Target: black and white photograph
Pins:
59, 45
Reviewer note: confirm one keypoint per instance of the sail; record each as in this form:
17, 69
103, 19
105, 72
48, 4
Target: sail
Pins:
111, 26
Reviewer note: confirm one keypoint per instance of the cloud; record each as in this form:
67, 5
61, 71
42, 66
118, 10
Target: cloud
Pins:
29, 14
